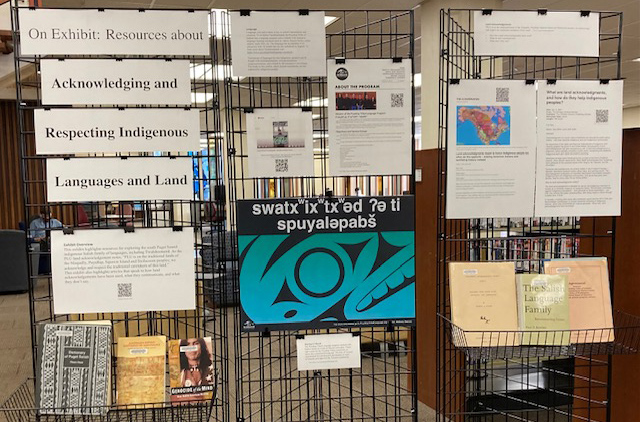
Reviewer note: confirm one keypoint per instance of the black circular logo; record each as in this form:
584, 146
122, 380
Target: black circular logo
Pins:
342, 73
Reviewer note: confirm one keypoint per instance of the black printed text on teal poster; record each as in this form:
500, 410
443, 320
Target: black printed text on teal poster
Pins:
332, 276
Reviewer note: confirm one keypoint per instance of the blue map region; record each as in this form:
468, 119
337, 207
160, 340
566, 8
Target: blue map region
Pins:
473, 123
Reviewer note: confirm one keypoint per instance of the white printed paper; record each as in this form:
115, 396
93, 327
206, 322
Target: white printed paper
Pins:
579, 149
113, 271
91, 31
491, 149
278, 44
280, 142
105, 81
115, 179
369, 117
85, 130
328, 351
528, 33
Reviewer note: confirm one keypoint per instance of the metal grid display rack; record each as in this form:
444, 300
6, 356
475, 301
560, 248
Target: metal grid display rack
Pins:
517, 383
269, 386
209, 319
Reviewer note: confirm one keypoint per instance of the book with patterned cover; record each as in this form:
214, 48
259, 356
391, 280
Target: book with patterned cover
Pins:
74, 368
140, 370
192, 376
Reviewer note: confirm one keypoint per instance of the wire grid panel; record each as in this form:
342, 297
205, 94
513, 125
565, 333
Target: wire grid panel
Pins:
269, 386
519, 384
201, 214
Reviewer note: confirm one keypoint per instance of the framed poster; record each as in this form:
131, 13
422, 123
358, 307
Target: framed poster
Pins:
326, 262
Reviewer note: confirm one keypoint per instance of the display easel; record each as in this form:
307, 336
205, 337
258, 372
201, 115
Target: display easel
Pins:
210, 318
522, 383
269, 388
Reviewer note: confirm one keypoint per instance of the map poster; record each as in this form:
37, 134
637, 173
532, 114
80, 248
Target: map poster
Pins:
491, 149
280, 142
369, 117
326, 262
579, 149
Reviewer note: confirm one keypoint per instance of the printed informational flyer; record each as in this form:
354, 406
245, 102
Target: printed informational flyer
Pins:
280, 142
317, 262
328, 351
91, 130
491, 149
529, 33
113, 271
369, 117
278, 44
579, 148
116, 179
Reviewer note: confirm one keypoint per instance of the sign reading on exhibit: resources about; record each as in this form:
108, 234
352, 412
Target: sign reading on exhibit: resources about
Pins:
99, 31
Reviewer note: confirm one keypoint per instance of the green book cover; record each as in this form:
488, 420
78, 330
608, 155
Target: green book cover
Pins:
543, 306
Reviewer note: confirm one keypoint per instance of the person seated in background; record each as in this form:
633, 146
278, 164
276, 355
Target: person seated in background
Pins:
38, 227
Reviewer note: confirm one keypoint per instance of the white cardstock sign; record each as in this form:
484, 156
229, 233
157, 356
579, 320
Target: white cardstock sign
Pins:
328, 351
145, 82
113, 271
92, 31
115, 179
86, 130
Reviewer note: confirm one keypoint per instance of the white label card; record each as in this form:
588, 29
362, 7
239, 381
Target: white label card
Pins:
115, 179
91, 31
280, 142
278, 44
579, 168
529, 33
84, 130
113, 271
369, 117
105, 81
328, 351
491, 149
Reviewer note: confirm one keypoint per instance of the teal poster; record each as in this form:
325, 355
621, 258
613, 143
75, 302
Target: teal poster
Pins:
326, 262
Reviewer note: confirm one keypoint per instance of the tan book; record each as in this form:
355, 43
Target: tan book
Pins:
483, 301
589, 298
141, 369
191, 371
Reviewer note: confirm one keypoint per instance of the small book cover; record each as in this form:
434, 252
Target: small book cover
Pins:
191, 373
483, 303
543, 309
74, 368
141, 368
590, 313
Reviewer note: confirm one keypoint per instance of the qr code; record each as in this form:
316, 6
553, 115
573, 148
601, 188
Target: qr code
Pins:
502, 95
125, 290
602, 116
397, 100
282, 165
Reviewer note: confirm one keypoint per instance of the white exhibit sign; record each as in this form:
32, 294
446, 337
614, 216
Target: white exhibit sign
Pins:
117, 179
579, 149
86, 130
114, 271
278, 44
491, 149
369, 117
94, 31
106, 81
280, 142
529, 33
328, 351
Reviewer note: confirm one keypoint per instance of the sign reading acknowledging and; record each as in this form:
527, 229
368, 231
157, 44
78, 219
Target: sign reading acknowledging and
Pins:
93, 31
116, 179
85, 81
320, 262
85, 130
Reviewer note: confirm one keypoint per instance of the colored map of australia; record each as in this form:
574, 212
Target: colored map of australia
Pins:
483, 125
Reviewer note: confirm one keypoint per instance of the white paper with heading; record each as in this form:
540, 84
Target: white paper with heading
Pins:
267, 44
529, 33
328, 351
579, 155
